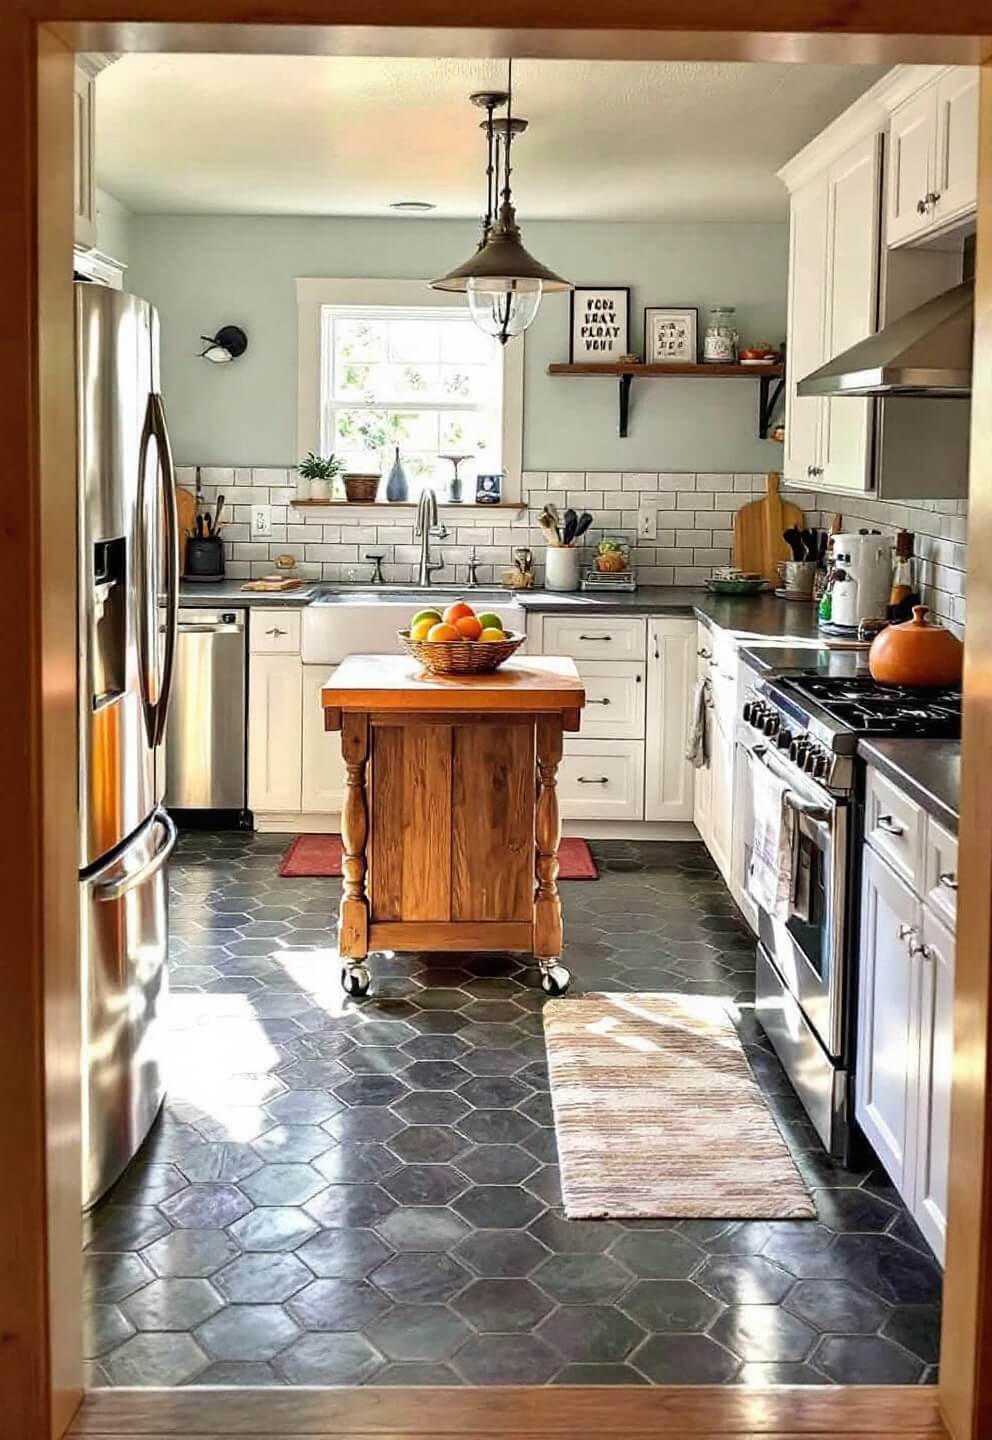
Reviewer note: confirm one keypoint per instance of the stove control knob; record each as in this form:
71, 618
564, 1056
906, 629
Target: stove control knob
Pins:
783, 738
810, 759
822, 767
770, 724
797, 750
757, 711
748, 711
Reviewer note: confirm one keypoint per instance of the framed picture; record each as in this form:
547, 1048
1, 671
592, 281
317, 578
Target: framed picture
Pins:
670, 336
599, 318
488, 489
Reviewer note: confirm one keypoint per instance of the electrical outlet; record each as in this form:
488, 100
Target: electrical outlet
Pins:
647, 523
261, 522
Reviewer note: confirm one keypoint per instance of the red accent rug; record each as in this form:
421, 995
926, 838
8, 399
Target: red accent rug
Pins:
315, 856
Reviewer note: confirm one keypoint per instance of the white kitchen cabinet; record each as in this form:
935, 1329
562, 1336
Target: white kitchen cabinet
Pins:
614, 699
601, 780
933, 1101
804, 353
888, 1019
833, 303
275, 718
668, 791
84, 186
323, 768
933, 158
721, 797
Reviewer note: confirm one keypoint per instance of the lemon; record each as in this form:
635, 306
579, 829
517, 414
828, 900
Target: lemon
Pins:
489, 621
434, 616
420, 629
492, 632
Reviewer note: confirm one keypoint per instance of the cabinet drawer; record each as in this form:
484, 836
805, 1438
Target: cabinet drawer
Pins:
274, 632
614, 700
618, 638
602, 780
940, 872
894, 827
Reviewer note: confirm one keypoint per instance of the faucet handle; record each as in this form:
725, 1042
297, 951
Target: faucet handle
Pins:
440, 531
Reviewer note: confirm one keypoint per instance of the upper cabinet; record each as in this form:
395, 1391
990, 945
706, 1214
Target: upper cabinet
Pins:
879, 205
84, 186
933, 158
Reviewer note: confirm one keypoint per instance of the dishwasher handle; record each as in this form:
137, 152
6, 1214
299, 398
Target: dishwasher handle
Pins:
200, 628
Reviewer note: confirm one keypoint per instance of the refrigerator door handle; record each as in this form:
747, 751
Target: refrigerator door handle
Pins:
114, 889
156, 413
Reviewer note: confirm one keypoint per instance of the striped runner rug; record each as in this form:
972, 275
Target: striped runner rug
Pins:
658, 1115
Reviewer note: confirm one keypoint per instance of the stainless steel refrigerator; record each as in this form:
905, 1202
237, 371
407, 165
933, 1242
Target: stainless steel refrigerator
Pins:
128, 594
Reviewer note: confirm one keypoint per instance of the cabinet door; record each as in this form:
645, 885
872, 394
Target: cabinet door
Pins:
323, 767
614, 699
668, 791
956, 167
933, 1110
911, 148
889, 1021
84, 202
804, 352
275, 684
722, 799
702, 799
851, 314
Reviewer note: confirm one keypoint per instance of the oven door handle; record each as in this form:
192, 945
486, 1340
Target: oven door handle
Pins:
819, 816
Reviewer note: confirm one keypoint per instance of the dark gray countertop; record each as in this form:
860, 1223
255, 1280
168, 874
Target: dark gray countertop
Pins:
230, 594
928, 770
758, 616
809, 658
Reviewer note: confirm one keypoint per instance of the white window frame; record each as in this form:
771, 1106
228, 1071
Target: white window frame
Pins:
313, 294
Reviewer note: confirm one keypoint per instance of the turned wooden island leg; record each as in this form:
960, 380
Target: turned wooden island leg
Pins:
353, 923
547, 835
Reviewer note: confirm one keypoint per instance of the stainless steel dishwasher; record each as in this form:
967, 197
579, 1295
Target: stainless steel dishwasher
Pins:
205, 763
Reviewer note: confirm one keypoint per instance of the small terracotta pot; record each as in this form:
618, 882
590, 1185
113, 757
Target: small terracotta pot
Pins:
916, 653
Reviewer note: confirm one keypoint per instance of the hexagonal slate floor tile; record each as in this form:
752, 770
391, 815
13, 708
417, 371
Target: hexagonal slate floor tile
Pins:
247, 1332
173, 1304
283, 1184
423, 1278
262, 1276
418, 1332
327, 1359
210, 1206
593, 1334
582, 1279
498, 1207
502, 1306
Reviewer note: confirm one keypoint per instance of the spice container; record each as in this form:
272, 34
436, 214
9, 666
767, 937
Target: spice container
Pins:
721, 337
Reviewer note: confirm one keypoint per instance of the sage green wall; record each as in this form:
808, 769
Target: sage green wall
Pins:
203, 272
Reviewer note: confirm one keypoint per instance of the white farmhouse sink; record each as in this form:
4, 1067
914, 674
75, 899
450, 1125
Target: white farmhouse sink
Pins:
365, 623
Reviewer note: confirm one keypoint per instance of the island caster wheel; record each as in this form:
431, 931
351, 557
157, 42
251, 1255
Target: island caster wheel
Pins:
555, 979
355, 980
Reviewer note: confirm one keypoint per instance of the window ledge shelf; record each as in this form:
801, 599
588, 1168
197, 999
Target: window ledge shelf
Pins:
381, 507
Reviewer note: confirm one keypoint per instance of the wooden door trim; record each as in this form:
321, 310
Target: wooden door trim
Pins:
521, 1412
40, 1353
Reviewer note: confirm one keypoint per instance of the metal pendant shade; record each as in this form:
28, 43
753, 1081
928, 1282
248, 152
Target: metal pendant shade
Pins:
503, 257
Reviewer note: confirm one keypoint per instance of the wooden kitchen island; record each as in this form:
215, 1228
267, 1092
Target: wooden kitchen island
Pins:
450, 820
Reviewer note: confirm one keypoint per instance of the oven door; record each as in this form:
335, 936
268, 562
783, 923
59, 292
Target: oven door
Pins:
807, 950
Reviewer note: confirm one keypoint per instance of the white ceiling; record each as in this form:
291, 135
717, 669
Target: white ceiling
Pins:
301, 135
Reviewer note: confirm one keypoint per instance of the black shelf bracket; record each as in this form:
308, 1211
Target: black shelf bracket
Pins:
769, 395
624, 400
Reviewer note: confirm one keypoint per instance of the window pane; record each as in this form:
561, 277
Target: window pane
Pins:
465, 344
356, 339
415, 340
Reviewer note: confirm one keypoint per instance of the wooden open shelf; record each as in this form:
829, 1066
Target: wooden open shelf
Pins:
768, 396
383, 505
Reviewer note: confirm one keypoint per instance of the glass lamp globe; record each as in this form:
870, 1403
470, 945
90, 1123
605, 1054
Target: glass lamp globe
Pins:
503, 307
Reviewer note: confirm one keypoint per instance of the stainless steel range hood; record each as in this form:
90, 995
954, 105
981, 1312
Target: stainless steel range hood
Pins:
924, 353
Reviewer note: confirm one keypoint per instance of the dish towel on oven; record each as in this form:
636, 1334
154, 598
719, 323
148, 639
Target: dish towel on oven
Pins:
695, 745
771, 877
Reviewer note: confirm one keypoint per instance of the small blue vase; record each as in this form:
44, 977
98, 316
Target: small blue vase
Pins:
397, 486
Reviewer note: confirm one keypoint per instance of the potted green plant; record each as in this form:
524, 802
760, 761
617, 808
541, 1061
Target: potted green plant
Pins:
320, 471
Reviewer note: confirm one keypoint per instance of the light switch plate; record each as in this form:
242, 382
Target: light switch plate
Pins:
647, 523
261, 522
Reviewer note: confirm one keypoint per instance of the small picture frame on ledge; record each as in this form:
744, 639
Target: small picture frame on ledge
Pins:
671, 335
488, 489
599, 324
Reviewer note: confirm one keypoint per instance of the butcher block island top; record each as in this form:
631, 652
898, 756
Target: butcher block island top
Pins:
450, 823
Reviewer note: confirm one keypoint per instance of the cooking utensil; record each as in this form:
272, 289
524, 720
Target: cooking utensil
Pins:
217, 514
549, 527
793, 538
821, 552
919, 652
585, 520
758, 530
568, 531
524, 560
809, 544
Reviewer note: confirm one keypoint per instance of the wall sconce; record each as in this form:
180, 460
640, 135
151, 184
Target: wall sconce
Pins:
229, 342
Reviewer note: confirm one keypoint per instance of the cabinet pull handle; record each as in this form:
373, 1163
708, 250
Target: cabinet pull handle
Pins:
593, 780
921, 207
905, 931
917, 947
595, 637
948, 879
276, 631
703, 653
932, 198
889, 826
604, 701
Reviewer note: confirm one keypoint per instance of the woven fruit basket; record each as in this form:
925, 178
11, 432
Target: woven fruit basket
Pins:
461, 657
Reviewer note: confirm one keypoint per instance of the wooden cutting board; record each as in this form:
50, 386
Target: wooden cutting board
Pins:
758, 527
186, 508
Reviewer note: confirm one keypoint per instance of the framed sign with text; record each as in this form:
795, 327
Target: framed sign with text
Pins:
600, 324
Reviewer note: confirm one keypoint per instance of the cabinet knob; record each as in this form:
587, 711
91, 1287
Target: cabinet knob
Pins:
932, 198
921, 207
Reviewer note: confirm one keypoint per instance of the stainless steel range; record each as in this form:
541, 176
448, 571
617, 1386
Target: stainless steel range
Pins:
805, 728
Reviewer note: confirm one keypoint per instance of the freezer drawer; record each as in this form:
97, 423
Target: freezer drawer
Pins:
123, 943
205, 762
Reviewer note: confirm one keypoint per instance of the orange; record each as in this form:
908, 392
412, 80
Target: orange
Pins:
443, 632
422, 628
468, 627
492, 634
457, 611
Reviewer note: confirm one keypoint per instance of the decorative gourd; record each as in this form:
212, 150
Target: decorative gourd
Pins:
917, 653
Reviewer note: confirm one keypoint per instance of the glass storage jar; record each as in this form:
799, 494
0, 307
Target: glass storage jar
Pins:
721, 337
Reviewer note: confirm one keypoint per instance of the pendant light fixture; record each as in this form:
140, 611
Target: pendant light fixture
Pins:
503, 281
